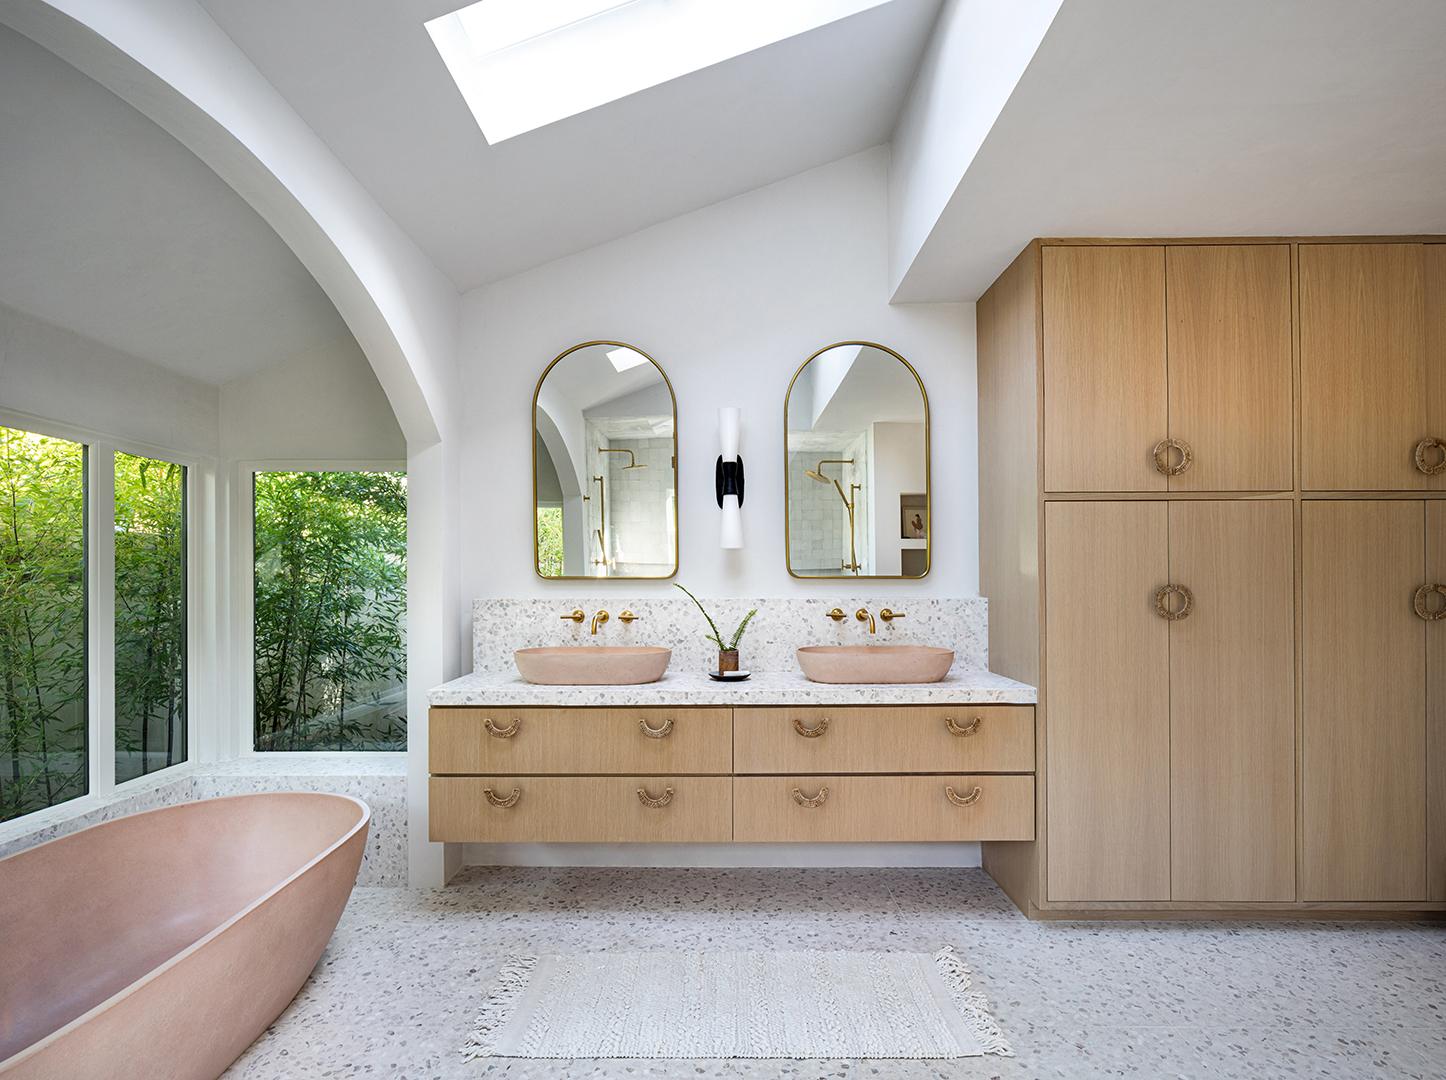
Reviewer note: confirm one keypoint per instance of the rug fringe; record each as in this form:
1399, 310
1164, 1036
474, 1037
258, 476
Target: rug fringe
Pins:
972, 1005
497, 1010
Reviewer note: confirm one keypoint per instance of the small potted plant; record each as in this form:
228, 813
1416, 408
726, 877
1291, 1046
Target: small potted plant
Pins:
727, 653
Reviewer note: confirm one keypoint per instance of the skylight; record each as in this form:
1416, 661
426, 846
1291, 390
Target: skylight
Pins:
626, 358
522, 64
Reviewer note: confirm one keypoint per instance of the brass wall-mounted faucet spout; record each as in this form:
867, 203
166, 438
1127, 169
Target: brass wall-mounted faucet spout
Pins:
863, 616
600, 617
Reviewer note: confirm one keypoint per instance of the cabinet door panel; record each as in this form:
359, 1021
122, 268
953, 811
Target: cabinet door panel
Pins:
1104, 368
1363, 654
1108, 704
1232, 702
1435, 261
1229, 365
1436, 706
1363, 376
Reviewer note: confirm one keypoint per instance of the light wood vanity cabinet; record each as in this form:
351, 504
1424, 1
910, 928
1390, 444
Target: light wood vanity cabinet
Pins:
1281, 749
713, 774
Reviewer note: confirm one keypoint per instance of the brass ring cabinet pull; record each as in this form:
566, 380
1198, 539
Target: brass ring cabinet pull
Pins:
505, 804
810, 732
1422, 593
803, 800
655, 804
1162, 456
502, 732
1162, 602
963, 732
1430, 444
657, 733
967, 800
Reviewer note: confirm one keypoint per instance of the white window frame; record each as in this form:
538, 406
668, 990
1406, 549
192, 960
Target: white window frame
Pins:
243, 588
100, 596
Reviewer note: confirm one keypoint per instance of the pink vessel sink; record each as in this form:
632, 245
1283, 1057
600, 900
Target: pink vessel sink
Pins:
875, 663
592, 665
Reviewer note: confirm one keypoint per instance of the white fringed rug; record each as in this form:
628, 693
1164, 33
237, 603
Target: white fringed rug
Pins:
736, 1005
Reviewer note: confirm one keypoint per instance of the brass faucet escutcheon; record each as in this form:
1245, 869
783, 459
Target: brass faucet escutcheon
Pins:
600, 617
863, 616
577, 616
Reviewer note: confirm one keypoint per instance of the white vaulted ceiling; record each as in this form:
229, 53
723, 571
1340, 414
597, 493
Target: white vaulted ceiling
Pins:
366, 77
109, 227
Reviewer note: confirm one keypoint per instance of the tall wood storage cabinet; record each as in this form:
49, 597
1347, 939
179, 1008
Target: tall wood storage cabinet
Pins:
1210, 534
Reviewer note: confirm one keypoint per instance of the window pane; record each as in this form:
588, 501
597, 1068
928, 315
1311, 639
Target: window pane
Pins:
42, 622
150, 615
331, 608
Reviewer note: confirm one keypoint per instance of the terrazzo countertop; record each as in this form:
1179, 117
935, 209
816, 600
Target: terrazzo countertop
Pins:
762, 688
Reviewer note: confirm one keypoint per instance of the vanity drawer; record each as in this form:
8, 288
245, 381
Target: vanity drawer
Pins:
882, 808
582, 809
879, 739
473, 742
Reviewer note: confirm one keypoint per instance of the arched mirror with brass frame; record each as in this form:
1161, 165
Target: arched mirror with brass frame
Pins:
857, 465
604, 465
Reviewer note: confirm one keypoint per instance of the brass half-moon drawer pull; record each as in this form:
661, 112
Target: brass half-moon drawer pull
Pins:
655, 804
1422, 593
1430, 444
659, 732
967, 800
506, 803
803, 800
1162, 602
502, 732
964, 732
1162, 456
810, 732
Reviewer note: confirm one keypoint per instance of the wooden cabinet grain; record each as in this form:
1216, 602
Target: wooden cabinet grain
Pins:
1363, 665
1105, 401
1108, 696
1371, 388
1232, 702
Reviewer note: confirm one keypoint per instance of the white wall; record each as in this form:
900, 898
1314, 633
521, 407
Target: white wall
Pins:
325, 404
975, 58
58, 375
730, 300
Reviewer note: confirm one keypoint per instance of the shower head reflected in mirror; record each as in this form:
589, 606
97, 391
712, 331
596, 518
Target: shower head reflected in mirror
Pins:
632, 461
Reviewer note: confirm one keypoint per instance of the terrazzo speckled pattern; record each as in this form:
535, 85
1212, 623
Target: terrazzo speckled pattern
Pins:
500, 627
761, 688
399, 986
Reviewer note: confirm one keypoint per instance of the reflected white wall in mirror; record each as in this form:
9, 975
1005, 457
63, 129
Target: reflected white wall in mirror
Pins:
604, 453
857, 485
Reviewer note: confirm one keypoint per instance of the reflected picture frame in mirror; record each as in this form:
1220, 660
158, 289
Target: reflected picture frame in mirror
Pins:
599, 560
888, 520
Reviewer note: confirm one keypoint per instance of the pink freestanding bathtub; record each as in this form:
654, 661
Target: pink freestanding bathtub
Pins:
160, 945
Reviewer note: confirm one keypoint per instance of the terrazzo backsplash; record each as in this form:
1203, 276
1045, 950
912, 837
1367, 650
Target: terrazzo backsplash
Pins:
500, 627
379, 780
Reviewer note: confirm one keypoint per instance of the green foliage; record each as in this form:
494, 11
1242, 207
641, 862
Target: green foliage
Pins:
331, 604
42, 622
716, 635
549, 541
150, 615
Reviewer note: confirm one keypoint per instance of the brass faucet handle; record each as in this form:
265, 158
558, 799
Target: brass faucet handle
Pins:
627, 617
577, 616
886, 614
836, 615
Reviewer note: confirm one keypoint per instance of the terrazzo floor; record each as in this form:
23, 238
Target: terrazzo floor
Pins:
398, 987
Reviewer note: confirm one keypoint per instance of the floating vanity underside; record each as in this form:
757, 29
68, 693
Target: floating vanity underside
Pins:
685, 760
